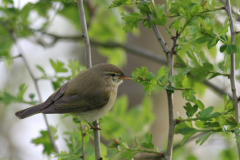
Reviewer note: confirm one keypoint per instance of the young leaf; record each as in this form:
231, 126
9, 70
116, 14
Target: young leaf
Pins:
58, 66
228, 104
131, 21
191, 110
204, 138
206, 114
22, 90
147, 142
41, 69
45, 140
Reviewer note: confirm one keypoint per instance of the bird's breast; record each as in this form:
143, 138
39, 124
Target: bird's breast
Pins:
95, 114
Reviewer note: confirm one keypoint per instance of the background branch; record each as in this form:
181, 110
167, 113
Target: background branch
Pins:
232, 75
21, 54
88, 60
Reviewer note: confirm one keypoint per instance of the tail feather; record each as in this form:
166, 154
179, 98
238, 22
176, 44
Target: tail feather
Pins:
28, 112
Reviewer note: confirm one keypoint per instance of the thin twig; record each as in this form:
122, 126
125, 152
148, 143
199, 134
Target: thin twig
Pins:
158, 35
83, 144
232, 75
21, 54
88, 60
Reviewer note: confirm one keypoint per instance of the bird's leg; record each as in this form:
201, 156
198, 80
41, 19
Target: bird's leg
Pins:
95, 127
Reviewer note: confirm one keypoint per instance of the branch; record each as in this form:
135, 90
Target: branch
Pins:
158, 35
232, 75
170, 63
83, 144
21, 54
88, 60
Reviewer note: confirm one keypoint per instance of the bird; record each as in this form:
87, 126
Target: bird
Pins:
89, 95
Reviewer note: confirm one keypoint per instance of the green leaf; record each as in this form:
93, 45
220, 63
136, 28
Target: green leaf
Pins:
162, 72
145, 77
7, 98
75, 67
206, 113
176, 24
200, 104
22, 90
222, 66
118, 3
200, 124
204, 138
127, 154
159, 21
197, 8
45, 140
228, 104
204, 39
146, 23
237, 131
191, 110
147, 142
186, 131
41, 69
131, 21
159, 10
223, 48
231, 48
58, 66
180, 126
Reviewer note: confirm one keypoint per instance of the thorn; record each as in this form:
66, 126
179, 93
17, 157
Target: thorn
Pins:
223, 7
83, 36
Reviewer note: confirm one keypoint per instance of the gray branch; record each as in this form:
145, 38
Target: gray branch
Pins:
21, 54
87, 46
232, 75
169, 56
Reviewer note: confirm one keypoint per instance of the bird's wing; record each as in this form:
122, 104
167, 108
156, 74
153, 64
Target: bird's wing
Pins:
73, 96
81, 103
56, 95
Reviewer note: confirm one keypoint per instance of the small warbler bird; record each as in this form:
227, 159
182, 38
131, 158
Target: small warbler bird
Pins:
90, 95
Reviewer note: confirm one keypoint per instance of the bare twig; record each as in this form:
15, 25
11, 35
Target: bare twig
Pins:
232, 75
87, 46
83, 144
21, 54
158, 35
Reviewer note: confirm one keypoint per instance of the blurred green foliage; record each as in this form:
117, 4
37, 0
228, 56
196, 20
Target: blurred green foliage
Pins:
201, 34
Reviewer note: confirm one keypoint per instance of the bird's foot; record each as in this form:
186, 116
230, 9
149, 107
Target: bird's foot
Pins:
95, 127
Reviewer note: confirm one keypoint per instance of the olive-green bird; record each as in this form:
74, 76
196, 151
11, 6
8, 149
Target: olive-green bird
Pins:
91, 94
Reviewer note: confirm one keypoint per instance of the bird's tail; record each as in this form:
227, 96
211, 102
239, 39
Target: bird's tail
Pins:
28, 111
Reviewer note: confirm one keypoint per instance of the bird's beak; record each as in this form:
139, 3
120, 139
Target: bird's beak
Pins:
125, 77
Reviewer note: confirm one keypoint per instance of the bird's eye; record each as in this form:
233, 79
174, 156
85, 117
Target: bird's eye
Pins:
113, 74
